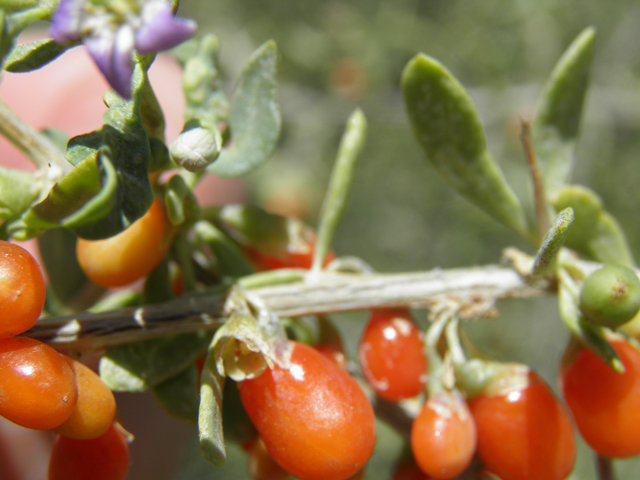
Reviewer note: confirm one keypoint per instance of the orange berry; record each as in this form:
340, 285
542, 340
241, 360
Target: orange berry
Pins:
96, 406
130, 255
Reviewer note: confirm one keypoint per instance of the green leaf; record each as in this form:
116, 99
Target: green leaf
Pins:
557, 120
210, 412
182, 205
82, 195
31, 56
591, 336
447, 126
180, 395
109, 187
553, 240
231, 260
66, 278
595, 234
18, 190
157, 285
138, 366
342, 178
206, 102
159, 158
151, 113
255, 117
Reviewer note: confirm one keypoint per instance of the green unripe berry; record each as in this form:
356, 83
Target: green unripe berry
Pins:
610, 296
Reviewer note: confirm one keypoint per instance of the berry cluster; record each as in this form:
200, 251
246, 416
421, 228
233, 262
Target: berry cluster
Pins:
313, 420
46, 390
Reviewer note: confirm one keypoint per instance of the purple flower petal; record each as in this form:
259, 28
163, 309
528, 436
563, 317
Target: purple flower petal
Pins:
112, 54
66, 21
160, 29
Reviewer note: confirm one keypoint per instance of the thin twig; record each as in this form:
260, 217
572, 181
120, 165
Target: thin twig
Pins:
42, 152
475, 289
542, 212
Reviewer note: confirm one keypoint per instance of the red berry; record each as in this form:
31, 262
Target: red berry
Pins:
37, 387
297, 254
314, 418
443, 437
392, 354
524, 433
606, 404
336, 356
22, 290
104, 458
261, 466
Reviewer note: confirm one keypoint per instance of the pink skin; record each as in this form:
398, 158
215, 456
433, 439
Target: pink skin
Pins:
76, 107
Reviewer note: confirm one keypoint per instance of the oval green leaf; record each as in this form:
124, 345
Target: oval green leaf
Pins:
557, 121
447, 126
255, 117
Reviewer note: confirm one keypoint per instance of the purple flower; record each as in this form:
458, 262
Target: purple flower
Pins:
112, 29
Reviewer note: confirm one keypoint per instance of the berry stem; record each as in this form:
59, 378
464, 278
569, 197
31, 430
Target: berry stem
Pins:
604, 468
542, 208
436, 365
38, 148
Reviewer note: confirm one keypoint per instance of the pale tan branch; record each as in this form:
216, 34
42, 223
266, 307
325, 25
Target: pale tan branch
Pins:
474, 290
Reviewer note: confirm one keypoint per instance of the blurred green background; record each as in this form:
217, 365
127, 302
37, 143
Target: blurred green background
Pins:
337, 55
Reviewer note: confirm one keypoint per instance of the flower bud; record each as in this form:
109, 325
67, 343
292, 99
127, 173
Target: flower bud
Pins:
196, 148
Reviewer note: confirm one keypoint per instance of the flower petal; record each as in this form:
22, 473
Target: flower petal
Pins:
112, 53
160, 29
65, 25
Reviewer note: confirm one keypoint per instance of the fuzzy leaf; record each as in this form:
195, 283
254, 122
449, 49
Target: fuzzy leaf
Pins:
553, 240
18, 190
230, 259
136, 367
447, 126
595, 234
58, 251
203, 88
109, 187
557, 120
180, 395
31, 56
180, 201
340, 185
210, 412
254, 118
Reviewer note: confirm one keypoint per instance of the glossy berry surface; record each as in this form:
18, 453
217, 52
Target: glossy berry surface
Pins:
104, 458
392, 354
605, 404
22, 290
443, 437
294, 255
96, 406
130, 255
314, 418
37, 387
524, 433
610, 296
